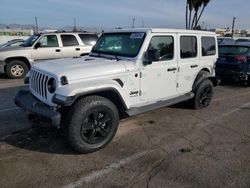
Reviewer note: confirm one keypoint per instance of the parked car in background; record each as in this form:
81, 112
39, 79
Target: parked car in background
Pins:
233, 63
16, 61
243, 41
12, 43
225, 40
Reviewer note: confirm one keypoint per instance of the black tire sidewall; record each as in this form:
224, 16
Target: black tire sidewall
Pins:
200, 88
16, 62
78, 114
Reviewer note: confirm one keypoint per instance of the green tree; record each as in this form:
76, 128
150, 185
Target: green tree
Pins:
194, 11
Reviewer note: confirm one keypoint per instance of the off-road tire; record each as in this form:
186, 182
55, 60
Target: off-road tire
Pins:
80, 112
20, 67
204, 88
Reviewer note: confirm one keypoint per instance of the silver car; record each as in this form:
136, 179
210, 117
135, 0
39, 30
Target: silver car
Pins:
16, 61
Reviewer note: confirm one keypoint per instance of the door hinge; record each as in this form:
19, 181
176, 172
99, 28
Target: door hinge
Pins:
140, 74
177, 85
139, 92
178, 69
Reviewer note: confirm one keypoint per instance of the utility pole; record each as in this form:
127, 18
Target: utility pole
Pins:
234, 18
142, 23
133, 24
36, 27
74, 29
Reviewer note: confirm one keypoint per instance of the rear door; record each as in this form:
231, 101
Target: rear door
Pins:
70, 46
89, 41
189, 64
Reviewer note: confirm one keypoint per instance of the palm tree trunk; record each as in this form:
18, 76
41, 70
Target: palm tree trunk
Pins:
199, 17
187, 15
194, 19
189, 20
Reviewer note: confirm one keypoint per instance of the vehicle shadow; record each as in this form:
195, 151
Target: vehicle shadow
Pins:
40, 139
233, 84
3, 76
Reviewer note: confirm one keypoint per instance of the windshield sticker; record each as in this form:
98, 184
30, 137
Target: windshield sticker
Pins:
137, 35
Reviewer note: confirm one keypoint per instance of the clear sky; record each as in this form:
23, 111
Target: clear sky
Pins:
119, 13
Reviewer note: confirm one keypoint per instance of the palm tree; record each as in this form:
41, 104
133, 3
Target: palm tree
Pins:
204, 5
194, 5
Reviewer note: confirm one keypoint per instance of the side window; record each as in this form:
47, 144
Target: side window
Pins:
48, 41
69, 40
188, 46
208, 46
163, 44
88, 39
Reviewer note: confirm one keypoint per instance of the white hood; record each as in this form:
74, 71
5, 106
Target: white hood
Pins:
79, 68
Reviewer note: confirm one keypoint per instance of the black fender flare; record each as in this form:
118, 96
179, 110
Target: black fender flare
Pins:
203, 75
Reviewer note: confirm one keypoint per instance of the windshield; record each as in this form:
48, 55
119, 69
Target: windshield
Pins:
120, 44
30, 41
232, 50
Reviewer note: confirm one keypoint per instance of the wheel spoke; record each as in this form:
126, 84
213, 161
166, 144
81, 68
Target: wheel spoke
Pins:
92, 136
105, 120
95, 116
87, 126
103, 132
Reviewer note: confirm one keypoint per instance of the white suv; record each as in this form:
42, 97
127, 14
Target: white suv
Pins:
16, 62
128, 72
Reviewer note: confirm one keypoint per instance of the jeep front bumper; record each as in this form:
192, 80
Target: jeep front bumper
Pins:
36, 108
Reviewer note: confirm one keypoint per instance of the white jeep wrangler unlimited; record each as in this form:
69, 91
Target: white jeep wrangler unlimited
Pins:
127, 72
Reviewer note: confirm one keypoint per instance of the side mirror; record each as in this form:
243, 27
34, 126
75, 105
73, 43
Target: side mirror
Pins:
37, 45
152, 55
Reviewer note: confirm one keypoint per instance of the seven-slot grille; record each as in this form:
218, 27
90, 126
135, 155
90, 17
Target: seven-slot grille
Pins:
38, 83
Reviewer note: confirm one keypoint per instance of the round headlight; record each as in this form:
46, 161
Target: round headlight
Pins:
52, 85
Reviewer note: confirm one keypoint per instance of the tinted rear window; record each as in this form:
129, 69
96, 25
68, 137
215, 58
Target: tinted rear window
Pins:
208, 46
232, 50
88, 39
243, 40
69, 40
188, 47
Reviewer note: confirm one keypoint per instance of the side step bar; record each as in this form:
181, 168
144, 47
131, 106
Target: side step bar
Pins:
139, 110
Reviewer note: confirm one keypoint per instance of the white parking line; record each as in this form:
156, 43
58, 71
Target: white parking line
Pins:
9, 109
99, 173
203, 124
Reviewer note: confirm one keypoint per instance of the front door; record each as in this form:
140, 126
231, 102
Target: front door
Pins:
159, 79
47, 47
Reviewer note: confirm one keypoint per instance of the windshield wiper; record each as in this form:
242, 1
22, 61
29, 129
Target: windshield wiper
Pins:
114, 54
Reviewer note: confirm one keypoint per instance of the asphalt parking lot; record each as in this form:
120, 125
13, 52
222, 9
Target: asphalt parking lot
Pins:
169, 147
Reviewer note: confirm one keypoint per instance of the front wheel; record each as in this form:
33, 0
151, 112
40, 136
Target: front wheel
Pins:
16, 69
203, 95
91, 124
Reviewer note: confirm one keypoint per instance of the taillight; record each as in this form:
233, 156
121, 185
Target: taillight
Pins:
241, 58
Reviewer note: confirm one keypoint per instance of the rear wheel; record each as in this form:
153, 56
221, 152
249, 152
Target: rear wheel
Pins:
203, 95
91, 124
16, 69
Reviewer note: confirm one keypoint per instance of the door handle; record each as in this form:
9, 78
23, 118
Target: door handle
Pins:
57, 50
194, 66
172, 69
78, 49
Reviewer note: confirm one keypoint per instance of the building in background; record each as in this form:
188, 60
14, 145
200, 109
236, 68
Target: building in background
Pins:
10, 34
